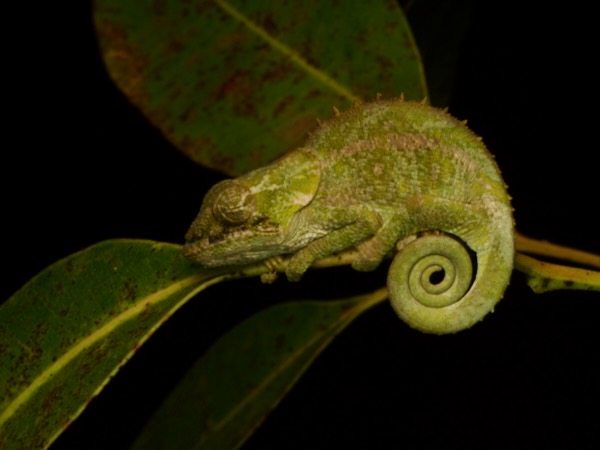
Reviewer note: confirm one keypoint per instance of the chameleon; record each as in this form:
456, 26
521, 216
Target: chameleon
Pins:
385, 178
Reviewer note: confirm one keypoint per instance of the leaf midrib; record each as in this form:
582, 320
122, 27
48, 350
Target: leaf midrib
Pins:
293, 56
91, 339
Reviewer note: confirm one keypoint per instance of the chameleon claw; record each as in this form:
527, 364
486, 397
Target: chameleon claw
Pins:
269, 277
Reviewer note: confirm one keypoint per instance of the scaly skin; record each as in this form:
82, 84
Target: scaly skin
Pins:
380, 174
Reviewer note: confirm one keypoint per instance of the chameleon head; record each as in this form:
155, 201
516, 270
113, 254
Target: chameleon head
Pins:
250, 218
228, 226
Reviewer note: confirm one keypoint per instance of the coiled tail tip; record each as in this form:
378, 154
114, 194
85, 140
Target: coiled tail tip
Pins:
439, 285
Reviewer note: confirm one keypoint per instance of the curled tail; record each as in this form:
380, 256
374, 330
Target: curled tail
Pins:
456, 270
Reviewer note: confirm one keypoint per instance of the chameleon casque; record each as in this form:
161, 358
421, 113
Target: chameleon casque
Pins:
382, 177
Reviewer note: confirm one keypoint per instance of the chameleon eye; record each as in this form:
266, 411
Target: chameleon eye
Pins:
233, 204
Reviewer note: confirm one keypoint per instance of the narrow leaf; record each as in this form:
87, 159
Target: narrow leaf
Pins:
235, 83
70, 329
228, 393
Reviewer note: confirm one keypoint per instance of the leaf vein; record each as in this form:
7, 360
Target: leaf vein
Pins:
87, 342
293, 55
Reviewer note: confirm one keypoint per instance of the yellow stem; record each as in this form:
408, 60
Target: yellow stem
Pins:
526, 244
543, 276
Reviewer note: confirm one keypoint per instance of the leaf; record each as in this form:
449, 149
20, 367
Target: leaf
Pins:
229, 391
236, 83
69, 330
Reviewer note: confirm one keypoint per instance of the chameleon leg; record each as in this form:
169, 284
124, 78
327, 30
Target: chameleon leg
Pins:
373, 250
353, 225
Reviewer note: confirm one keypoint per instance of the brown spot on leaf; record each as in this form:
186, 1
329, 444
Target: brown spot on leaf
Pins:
282, 105
189, 115
385, 63
205, 152
174, 46
147, 313
237, 86
246, 107
126, 66
225, 42
222, 162
295, 133
289, 320
270, 25
280, 342
129, 291
160, 274
52, 398
159, 7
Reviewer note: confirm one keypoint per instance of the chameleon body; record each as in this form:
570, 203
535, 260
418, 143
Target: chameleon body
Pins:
380, 177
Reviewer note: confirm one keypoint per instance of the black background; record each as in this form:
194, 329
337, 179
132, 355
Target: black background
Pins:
80, 165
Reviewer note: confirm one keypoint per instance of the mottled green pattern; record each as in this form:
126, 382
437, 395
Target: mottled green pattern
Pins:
236, 83
67, 331
381, 172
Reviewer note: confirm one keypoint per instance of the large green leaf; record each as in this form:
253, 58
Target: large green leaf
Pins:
68, 331
236, 83
229, 391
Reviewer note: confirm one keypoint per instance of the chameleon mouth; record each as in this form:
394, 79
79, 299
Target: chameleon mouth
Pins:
236, 247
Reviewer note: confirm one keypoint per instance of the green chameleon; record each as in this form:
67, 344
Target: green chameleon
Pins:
383, 177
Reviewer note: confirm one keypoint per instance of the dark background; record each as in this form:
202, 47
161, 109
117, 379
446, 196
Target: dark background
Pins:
80, 165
